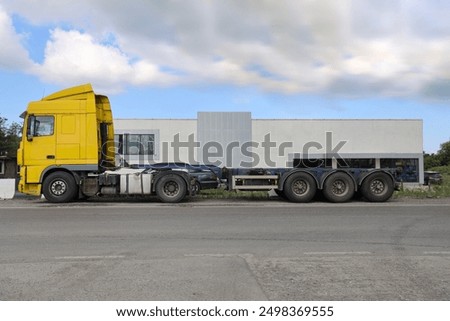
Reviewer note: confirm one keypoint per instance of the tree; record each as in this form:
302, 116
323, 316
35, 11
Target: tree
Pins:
9, 137
444, 154
431, 160
441, 158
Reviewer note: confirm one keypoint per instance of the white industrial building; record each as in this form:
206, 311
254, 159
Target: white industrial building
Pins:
234, 139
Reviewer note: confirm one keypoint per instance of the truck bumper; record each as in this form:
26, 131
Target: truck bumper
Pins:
30, 189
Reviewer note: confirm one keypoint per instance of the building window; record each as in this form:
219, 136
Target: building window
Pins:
356, 162
135, 144
313, 163
407, 169
340, 162
2, 167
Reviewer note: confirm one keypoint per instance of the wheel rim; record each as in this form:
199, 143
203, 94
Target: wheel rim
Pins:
300, 187
339, 187
171, 188
58, 187
377, 186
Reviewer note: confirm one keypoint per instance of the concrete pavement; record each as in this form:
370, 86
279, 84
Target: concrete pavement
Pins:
222, 250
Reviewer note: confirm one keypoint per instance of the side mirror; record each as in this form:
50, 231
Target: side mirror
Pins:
30, 127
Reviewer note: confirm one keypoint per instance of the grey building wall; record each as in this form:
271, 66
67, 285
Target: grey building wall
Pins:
231, 138
222, 135
8, 167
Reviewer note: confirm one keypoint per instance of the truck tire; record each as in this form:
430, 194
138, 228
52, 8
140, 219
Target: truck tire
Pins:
377, 187
171, 188
196, 188
339, 188
59, 187
280, 193
300, 188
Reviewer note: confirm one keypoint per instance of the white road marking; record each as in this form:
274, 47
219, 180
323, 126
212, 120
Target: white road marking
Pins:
221, 255
90, 257
437, 253
338, 253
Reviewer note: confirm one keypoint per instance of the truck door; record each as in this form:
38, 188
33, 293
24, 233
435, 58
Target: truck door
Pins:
39, 145
68, 138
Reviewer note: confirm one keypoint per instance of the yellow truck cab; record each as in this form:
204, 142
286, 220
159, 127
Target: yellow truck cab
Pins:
67, 152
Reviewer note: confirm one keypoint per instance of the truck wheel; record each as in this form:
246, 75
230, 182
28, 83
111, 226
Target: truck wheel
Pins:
60, 187
339, 188
378, 187
280, 194
300, 188
197, 187
171, 188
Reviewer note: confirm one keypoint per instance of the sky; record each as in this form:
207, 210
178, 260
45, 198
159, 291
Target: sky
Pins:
301, 59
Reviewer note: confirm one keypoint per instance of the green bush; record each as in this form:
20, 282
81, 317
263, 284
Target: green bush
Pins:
444, 170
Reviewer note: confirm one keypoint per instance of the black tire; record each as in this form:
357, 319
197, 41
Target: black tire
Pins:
280, 194
339, 188
171, 188
197, 187
300, 188
377, 187
60, 187
80, 197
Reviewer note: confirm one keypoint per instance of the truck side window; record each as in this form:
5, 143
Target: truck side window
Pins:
44, 126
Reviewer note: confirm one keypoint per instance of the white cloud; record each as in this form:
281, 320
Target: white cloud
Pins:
12, 54
345, 47
72, 57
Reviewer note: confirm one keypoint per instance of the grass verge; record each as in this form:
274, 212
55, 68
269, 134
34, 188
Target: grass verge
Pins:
225, 194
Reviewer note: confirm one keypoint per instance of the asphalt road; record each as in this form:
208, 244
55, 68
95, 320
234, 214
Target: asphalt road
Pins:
206, 250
